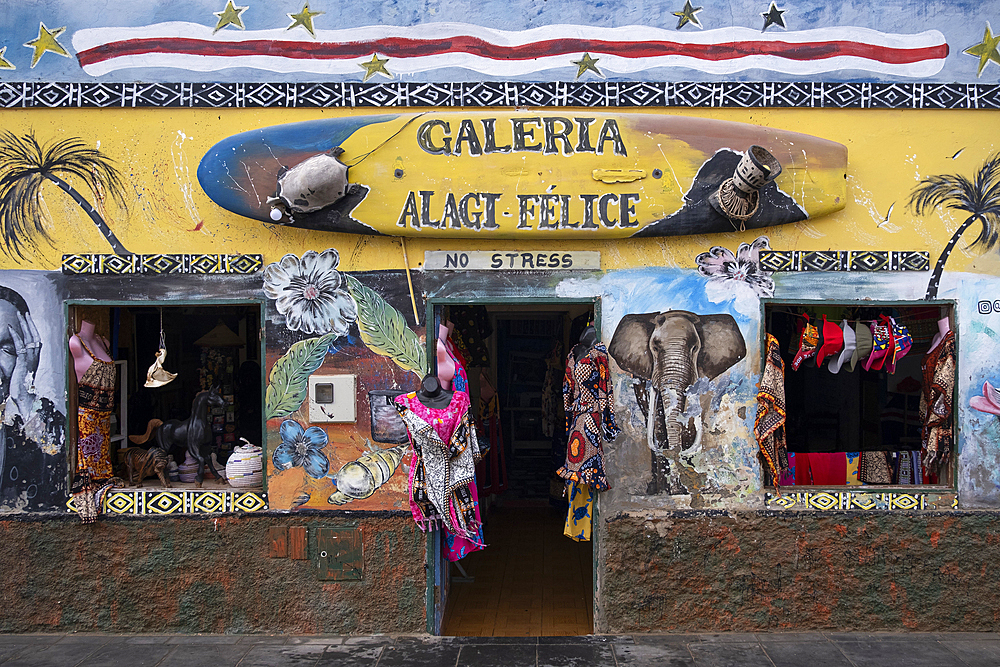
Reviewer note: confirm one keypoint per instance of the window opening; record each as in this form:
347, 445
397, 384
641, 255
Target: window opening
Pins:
209, 346
861, 425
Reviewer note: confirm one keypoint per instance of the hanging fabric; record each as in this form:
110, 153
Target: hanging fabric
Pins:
769, 427
157, 376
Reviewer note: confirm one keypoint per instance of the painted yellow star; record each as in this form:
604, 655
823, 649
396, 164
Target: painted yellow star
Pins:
587, 63
304, 19
985, 50
46, 41
687, 15
4, 63
230, 16
375, 66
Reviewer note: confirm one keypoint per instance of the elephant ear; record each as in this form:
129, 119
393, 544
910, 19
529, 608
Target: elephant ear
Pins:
630, 345
722, 344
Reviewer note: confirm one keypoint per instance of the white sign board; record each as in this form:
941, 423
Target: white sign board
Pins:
511, 260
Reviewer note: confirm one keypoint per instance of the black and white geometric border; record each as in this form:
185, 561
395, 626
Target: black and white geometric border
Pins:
844, 260
117, 265
816, 94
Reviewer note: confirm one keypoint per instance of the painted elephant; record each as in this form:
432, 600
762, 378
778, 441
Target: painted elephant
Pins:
669, 352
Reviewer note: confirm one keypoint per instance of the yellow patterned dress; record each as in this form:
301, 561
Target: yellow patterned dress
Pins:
93, 418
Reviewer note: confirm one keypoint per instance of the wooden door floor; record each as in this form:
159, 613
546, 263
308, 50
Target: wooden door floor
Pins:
531, 580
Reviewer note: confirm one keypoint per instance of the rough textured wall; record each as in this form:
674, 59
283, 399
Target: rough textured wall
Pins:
716, 571
207, 575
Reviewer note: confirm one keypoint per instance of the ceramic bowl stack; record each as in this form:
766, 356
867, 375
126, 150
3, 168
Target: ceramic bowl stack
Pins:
244, 467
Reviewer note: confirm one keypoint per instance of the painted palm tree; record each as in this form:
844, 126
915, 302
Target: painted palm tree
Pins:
979, 197
25, 165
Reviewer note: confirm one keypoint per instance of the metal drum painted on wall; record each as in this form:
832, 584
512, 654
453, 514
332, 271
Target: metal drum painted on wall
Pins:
564, 174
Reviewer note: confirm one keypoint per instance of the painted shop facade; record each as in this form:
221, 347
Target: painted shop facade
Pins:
237, 241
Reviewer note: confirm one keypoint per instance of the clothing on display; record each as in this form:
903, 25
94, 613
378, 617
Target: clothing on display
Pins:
580, 518
874, 468
472, 328
769, 426
868, 429
589, 406
88, 495
95, 405
937, 436
442, 466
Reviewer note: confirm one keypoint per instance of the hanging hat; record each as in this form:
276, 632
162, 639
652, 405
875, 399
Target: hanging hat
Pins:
863, 336
849, 353
833, 341
880, 347
807, 345
902, 340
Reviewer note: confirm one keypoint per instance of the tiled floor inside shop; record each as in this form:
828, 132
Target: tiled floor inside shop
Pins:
530, 581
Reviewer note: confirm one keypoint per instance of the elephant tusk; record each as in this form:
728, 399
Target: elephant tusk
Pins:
651, 418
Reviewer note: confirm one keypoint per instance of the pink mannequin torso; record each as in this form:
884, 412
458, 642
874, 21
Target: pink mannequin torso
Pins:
89, 338
445, 364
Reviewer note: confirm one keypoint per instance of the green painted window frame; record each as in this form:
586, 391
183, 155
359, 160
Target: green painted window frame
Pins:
952, 486
174, 303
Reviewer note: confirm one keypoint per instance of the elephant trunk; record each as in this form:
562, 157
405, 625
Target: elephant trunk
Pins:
676, 370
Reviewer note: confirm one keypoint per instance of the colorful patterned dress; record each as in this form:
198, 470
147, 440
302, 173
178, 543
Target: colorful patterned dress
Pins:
590, 416
93, 417
442, 471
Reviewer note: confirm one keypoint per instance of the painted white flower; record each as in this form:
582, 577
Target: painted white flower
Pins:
720, 265
307, 292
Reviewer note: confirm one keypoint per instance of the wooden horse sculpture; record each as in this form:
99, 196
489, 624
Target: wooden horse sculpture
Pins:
193, 433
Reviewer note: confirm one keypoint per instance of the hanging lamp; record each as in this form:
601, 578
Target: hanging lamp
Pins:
157, 376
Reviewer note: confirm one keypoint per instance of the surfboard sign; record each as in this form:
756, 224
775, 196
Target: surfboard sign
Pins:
520, 174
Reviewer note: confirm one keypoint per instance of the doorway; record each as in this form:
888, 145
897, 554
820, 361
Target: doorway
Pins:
530, 580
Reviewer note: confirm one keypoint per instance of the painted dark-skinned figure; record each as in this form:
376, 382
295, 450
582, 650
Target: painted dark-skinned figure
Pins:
668, 352
32, 430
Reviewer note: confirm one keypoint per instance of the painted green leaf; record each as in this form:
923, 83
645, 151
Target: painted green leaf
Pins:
384, 330
289, 379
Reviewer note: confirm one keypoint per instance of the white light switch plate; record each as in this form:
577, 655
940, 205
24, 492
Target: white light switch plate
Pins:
343, 408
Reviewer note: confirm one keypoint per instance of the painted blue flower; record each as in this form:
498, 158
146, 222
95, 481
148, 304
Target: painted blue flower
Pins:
302, 447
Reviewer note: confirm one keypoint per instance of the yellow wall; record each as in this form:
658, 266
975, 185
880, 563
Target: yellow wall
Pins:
158, 152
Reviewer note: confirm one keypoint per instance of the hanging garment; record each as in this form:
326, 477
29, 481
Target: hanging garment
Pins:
937, 435
580, 517
493, 467
442, 466
874, 468
472, 328
550, 392
589, 406
769, 427
93, 417
88, 495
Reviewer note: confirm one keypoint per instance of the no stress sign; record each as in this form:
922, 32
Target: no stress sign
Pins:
512, 260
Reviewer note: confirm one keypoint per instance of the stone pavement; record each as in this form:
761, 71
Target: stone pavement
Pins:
806, 649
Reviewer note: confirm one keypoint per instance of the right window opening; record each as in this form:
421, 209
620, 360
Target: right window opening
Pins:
864, 426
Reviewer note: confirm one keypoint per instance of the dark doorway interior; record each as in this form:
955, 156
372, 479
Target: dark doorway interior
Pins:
531, 580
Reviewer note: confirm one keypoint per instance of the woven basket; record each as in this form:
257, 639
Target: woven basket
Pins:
189, 469
244, 467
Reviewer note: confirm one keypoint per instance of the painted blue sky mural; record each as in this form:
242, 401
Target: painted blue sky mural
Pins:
530, 40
